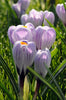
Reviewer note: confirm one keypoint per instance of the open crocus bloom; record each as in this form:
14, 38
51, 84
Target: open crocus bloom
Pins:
20, 32
21, 6
35, 17
23, 54
42, 58
44, 37
49, 16
61, 12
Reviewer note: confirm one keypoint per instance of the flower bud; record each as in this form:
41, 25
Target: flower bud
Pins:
61, 12
44, 37
24, 19
20, 7
49, 16
42, 58
24, 4
23, 54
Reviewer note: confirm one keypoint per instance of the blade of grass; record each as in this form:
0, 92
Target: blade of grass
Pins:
45, 82
9, 74
53, 52
11, 10
59, 89
61, 69
6, 91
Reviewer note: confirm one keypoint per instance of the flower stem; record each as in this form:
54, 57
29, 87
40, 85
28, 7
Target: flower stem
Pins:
37, 88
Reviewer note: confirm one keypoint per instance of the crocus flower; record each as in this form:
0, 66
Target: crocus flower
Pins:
49, 16
21, 32
44, 37
21, 6
35, 17
42, 58
61, 12
23, 54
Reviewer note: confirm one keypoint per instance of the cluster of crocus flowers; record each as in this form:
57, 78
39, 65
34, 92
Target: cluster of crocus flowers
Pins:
61, 12
34, 16
38, 17
21, 6
49, 16
38, 39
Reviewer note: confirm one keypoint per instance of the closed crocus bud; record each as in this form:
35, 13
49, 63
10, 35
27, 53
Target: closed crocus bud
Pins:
44, 37
17, 8
49, 16
42, 58
20, 33
24, 19
20, 7
24, 3
23, 54
36, 17
61, 12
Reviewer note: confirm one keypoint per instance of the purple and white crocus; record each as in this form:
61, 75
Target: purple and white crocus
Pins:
21, 6
49, 16
44, 37
61, 12
23, 54
42, 58
20, 32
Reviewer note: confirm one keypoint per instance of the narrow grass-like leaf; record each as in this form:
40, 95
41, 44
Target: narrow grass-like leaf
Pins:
45, 82
59, 89
60, 70
6, 91
59, 67
11, 10
10, 75
54, 52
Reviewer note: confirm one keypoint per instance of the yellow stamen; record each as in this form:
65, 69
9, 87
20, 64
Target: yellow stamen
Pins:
24, 26
23, 43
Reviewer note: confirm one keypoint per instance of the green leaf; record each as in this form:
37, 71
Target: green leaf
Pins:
59, 89
61, 69
9, 74
54, 52
56, 73
6, 91
45, 82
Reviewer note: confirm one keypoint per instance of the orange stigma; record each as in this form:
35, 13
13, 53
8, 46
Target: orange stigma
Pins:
23, 43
